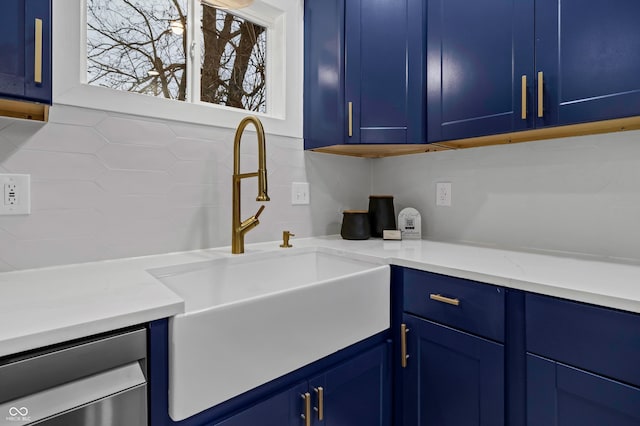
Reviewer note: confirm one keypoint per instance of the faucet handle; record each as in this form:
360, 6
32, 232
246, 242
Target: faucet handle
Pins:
285, 239
259, 212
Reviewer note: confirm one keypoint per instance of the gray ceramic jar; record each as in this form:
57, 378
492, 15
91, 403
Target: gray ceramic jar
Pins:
355, 225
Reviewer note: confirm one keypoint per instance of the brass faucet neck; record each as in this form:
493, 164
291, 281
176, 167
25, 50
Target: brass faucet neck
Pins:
238, 227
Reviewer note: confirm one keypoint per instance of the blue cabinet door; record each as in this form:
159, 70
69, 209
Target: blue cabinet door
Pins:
452, 378
384, 70
324, 109
588, 54
364, 72
282, 409
356, 392
19, 61
565, 396
477, 55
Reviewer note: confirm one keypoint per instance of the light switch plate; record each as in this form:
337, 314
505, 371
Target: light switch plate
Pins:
16, 194
299, 193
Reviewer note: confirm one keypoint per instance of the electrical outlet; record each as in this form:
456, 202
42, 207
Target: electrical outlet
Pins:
443, 194
299, 193
16, 194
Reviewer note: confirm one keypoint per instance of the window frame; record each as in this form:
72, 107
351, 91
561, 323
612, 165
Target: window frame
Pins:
283, 20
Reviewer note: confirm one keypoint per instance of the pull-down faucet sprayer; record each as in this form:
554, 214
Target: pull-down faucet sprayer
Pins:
239, 228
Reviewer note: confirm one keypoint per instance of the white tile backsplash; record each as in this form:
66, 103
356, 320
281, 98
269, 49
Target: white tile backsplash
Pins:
575, 195
108, 186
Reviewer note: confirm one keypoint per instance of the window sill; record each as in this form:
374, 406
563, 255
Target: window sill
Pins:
105, 99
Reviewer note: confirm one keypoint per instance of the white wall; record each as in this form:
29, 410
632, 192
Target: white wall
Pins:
577, 195
106, 185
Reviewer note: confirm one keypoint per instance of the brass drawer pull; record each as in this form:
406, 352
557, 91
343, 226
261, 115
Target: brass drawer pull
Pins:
403, 345
540, 94
523, 114
350, 119
443, 299
307, 409
37, 68
320, 409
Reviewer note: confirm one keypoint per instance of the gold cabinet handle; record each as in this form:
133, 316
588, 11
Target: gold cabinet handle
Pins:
37, 68
307, 409
350, 119
320, 408
524, 98
403, 345
540, 94
443, 299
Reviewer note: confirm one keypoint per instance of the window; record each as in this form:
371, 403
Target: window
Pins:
282, 74
141, 46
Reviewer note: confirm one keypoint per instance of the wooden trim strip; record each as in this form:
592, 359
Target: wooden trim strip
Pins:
592, 128
25, 110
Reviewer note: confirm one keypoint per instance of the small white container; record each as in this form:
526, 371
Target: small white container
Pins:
410, 223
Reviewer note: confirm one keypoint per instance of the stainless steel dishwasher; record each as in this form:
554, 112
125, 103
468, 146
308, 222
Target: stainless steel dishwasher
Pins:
93, 382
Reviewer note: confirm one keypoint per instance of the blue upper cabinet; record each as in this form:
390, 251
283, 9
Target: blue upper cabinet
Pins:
25, 50
499, 66
589, 60
477, 55
364, 72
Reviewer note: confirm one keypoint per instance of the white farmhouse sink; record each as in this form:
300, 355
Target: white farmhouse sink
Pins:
252, 318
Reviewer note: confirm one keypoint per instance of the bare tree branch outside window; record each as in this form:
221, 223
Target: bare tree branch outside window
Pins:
140, 46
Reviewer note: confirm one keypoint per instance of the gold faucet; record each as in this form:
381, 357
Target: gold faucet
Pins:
239, 228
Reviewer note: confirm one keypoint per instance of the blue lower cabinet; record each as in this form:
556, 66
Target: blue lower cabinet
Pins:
561, 395
282, 409
351, 387
452, 378
354, 393
357, 392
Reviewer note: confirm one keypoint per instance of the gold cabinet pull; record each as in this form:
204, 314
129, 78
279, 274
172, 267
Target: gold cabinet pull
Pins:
540, 95
350, 119
320, 408
524, 98
37, 68
443, 299
403, 345
307, 409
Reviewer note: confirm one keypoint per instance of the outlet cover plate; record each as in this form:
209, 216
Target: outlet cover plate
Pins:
16, 194
443, 194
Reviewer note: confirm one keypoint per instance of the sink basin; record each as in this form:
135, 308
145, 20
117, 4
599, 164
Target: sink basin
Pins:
252, 318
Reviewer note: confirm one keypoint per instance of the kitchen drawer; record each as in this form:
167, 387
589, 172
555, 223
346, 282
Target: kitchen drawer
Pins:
597, 339
480, 308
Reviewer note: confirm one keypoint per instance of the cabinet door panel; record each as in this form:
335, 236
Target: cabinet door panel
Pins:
324, 110
38, 91
565, 396
12, 48
590, 55
17, 50
357, 392
453, 378
283, 409
376, 70
477, 53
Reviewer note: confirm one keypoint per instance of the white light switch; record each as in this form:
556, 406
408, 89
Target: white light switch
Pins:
16, 194
299, 193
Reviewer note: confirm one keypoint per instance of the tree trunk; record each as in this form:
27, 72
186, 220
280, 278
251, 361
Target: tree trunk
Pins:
249, 33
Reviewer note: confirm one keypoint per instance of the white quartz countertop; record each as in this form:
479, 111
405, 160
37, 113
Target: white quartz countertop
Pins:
45, 306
